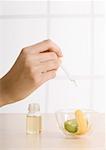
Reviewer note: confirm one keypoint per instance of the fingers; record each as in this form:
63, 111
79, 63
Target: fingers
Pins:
46, 66
50, 65
47, 56
48, 75
42, 58
44, 72
47, 45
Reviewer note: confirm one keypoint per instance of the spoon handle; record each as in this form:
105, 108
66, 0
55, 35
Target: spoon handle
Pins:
68, 75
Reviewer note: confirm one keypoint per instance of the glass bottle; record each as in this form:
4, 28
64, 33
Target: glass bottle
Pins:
33, 119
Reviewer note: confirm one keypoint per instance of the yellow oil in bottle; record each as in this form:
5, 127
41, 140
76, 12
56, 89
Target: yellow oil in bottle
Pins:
33, 124
33, 119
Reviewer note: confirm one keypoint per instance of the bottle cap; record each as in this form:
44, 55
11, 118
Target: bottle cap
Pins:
33, 107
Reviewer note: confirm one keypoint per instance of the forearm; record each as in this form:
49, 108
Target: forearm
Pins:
5, 97
2, 94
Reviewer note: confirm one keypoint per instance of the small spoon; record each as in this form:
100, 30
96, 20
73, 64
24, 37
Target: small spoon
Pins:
68, 75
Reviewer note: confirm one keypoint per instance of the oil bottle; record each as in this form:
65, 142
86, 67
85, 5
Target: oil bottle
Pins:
33, 119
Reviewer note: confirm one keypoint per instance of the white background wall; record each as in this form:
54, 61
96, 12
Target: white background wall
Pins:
78, 27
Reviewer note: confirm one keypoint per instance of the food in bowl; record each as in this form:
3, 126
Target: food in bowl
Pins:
71, 125
77, 126
74, 123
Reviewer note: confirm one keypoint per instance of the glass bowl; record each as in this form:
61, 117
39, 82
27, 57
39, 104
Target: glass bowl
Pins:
67, 116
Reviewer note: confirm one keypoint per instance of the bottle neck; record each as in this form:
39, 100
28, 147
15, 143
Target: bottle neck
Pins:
33, 109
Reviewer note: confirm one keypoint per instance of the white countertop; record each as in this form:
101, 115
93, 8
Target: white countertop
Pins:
13, 135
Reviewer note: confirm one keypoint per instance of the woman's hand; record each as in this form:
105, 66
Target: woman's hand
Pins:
35, 65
